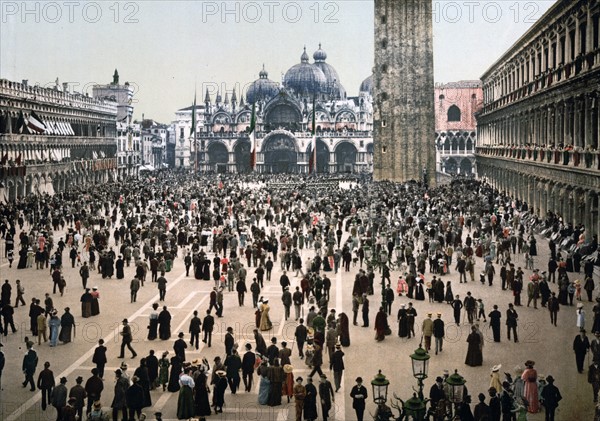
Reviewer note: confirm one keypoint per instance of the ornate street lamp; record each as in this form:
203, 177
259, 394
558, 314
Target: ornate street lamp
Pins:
415, 408
380, 388
420, 367
457, 387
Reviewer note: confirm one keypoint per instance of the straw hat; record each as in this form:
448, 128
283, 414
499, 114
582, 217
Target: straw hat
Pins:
196, 362
496, 368
288, 368
579, 305
220, 373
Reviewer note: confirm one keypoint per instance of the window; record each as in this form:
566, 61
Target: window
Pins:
442, 97
454, 113
384, 43
383, 123
383, 19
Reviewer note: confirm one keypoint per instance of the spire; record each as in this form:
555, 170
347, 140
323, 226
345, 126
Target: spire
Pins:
219, 98
207, 97
116, 78
263, 73
226, 98
242, 102
304, 57
233, 97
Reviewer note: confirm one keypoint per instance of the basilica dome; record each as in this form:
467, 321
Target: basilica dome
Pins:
334, 86
367, 86
305, 79
262, 88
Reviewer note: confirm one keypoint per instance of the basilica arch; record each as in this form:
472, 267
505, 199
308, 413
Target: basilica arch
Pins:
322, 166
345, 157
241, 151
280, 153
218, 157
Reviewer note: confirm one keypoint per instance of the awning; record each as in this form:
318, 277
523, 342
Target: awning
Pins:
146, 168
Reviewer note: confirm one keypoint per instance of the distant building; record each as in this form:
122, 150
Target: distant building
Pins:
51, 139
283, 125
129, 140
456, 127
155, 137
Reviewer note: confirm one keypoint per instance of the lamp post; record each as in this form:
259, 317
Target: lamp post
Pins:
457, 388
380, 389
420, 367
415, 407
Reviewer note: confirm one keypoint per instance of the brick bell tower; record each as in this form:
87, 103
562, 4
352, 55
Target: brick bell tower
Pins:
404, 113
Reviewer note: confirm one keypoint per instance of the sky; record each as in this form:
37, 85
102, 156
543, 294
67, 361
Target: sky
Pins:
167, 50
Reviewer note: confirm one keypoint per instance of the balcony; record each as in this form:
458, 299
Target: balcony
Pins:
583, 160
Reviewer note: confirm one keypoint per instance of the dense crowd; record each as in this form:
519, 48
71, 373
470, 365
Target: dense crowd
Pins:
237, 230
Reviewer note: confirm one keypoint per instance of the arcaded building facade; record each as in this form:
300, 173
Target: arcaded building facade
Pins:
73, 142
284, 113
538, 129
456, 104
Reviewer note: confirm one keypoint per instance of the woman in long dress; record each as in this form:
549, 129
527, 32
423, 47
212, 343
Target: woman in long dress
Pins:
449, 294
164, 320
95, 301
185, 400
163, 370
402, 322
344, 330
265, 321
153, 324
474, 354
174, 375
530, 376
264, 388
201, 391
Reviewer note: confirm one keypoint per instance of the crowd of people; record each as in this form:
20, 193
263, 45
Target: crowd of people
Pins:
247, 228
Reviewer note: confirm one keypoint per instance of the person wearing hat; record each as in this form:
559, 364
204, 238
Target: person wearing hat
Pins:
248, 363
67, 323
438, 333
481, 410
134, 396
437, 396
457, 306
581, 345
93, 388
553, 308
208, 324
220, 385
359, 395
530, 390
495, 377
119, 402
551, 396
126, 339
229, 341
69, 411
158, 415
58, 397
233, 362
299, 392
337, 365
511, 322
494, 404
86, 304
179, 346
327, 396
427, 329
77, 394
46, 384
30, 360
163, 370
580, 313
402, 319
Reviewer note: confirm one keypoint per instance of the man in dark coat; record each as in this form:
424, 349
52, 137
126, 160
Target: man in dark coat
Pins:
229, 341
195, 329
551, 396
46, 383
93, 387
553, 308
180, 346
495, 406
126, 339
511, 321
99, 358
119, 402
59, 397
134, 396
495, 324
327, 396
248, 362
30, 361
506, 402
457, 306
310, 401
365, 311
207, 327
272, 351
359, 395
337, 364
437, 395
300, 334
77, 393
581, 345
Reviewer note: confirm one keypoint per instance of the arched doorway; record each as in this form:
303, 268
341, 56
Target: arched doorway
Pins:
218, 157
242, 156
322, 166
345, 157
466, 167
280, 154
451, 166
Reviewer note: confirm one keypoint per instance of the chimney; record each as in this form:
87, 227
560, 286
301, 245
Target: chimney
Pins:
25, 83
65, 87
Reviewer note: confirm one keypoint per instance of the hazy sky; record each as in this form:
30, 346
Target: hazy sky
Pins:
164, 48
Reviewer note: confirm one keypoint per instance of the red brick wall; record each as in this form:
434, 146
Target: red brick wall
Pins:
468, 98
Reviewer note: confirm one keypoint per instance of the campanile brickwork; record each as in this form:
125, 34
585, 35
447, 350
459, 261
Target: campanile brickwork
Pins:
404, 114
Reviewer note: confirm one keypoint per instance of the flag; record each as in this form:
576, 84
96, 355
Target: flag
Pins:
253, 138
193, 129
35, 123
312, 162
21, 124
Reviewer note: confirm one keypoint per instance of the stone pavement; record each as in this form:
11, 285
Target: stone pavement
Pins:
550, 347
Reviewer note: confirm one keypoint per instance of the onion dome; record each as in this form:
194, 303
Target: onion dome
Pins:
334, 86
367, 85
305, 79
262, 88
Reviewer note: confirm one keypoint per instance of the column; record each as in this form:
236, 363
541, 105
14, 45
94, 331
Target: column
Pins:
577, 39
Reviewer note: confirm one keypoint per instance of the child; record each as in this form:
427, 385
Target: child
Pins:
481, 310
402, 287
